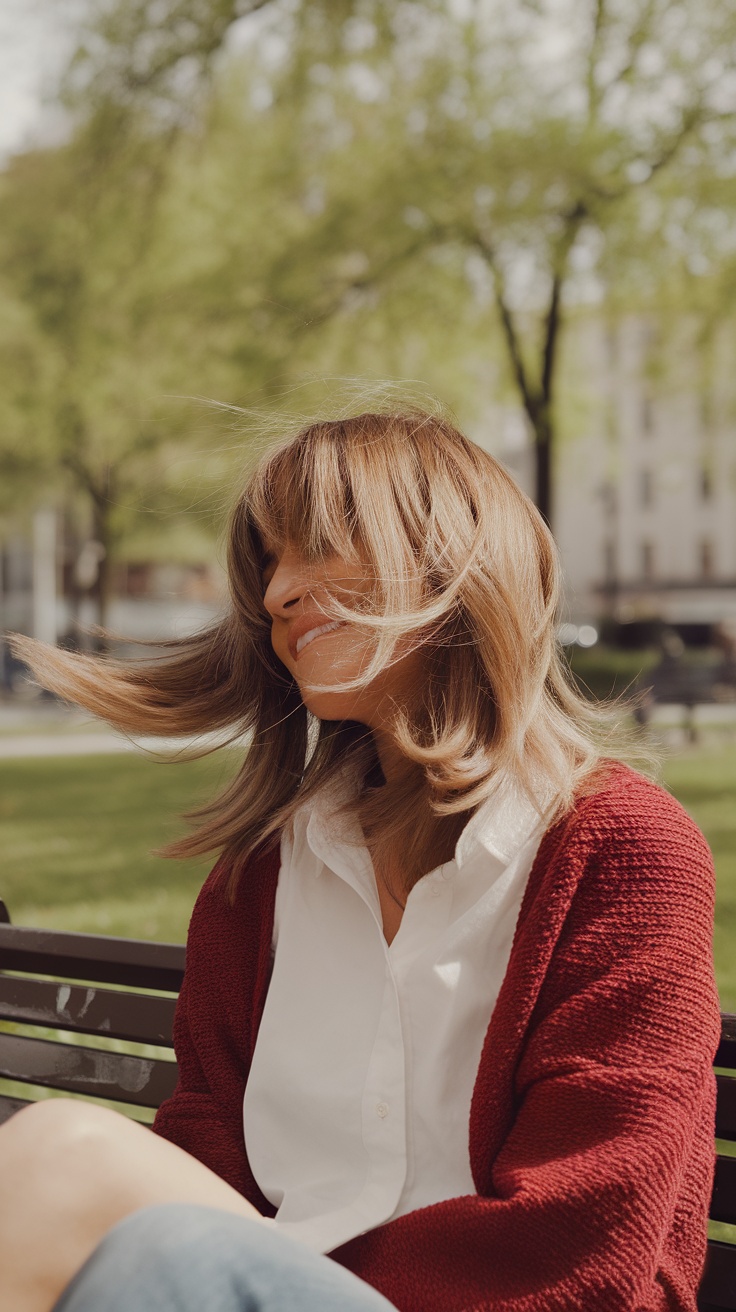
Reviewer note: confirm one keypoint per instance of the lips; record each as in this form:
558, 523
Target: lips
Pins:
306, 629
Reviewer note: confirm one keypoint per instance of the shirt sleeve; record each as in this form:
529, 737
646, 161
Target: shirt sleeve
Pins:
598, 1197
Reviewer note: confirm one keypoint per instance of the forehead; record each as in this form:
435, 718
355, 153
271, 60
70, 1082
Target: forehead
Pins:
305, 543
326, 566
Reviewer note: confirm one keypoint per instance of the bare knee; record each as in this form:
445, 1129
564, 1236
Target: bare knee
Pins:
59, 1142
55, 1123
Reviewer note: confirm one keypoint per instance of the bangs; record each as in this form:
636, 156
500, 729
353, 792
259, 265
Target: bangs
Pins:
303, 495
459, 562
395, 493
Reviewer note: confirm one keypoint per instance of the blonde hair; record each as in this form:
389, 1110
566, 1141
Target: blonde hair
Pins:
461, 562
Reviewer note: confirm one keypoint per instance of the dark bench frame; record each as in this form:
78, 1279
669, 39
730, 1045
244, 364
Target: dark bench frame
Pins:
77, 1000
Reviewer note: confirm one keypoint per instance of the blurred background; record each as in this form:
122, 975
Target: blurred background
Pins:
524, 207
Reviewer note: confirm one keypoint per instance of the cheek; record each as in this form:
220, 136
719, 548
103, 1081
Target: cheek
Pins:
280, 649
342, 655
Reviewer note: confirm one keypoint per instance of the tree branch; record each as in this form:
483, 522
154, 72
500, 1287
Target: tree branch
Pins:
530, 399
692, 118
573, 222
187, 31
594, 95
641, 33
551, 335
334, 299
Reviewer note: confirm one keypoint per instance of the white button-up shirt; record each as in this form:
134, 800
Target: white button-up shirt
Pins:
358, 1100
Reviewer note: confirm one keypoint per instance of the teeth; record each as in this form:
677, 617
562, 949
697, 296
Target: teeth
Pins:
315, 633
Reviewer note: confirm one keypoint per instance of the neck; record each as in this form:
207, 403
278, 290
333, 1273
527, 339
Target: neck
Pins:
394, 765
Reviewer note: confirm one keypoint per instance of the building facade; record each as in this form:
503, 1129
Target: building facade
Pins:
645, 482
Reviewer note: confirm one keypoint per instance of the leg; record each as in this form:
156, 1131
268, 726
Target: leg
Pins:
70, 1172
180, 1258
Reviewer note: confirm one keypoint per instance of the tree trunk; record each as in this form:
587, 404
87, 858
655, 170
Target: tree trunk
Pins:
543, 452
100, 590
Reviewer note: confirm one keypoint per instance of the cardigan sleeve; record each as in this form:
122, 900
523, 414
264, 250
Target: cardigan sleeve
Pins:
204, 1114
598, 1196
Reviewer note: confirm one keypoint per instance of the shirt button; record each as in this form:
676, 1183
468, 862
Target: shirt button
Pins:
382, 1110
435, 890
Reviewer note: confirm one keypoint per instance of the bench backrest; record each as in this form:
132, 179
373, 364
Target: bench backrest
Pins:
718, 1287
42, 1019
73, 1004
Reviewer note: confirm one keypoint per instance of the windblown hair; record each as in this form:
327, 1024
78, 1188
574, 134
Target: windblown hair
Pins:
461, 563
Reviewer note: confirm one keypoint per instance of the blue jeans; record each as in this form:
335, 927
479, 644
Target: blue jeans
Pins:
178, 1257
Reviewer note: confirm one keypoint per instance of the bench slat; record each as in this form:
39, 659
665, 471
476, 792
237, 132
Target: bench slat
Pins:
726, 1107
140, 1080
9, 1106
138, 1017
95, 957
726, 1054
718, 1286
723, 1202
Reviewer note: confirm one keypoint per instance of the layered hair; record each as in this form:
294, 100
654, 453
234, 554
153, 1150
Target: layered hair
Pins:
461, 563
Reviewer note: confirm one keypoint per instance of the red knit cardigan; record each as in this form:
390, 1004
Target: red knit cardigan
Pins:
592, 1120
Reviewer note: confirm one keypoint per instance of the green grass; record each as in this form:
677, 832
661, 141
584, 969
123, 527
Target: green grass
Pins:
614, 671
704, 780
76, 834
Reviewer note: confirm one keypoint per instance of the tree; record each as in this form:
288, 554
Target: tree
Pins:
536, 140
76, 258
135, 265
392, 171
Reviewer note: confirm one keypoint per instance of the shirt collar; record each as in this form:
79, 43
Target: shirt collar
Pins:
324, 821
501, 825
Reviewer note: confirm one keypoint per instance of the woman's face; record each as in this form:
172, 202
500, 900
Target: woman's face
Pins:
317, 650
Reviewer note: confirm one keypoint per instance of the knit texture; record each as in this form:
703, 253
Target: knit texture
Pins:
592, 1121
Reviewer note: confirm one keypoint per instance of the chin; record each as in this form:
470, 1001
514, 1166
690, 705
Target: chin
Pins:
331, 706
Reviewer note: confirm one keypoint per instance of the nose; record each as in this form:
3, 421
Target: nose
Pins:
287, 584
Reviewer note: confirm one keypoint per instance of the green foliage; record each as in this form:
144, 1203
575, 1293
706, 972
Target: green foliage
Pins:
524, 150
362, 187
609, 671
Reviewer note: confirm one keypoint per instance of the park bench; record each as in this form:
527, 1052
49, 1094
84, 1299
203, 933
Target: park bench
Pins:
116, 989
676, 683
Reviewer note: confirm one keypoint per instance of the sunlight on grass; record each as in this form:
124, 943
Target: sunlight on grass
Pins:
704, 780
77, 835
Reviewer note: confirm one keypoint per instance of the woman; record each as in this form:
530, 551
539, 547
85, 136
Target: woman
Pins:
449, 1013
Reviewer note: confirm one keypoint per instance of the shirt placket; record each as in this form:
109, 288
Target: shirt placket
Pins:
383, 1111
383, 1104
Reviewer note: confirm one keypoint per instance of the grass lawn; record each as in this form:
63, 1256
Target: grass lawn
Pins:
76, 834
705, 782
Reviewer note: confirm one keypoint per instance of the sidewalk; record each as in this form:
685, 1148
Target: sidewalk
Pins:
48, 729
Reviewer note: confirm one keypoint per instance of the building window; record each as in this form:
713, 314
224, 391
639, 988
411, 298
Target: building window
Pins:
647, 560
705, 552
646, 488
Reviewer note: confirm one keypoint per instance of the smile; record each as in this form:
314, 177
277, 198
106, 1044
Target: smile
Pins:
306, 638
